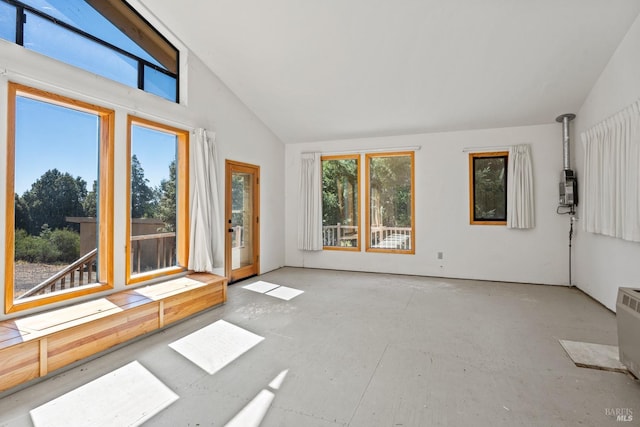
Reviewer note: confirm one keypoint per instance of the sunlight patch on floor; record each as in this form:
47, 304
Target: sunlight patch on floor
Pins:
261, 287
254, 412
277, 381
128, 396
215, 346
285, 293
271, 289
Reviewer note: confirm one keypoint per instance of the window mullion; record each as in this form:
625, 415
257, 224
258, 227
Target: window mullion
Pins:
141, 75
21, 18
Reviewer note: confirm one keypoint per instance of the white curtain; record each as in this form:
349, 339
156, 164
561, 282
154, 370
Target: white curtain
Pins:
520, 207
611, 183
310, 206
206, 249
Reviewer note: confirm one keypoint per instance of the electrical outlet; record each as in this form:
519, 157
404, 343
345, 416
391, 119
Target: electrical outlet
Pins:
440, 255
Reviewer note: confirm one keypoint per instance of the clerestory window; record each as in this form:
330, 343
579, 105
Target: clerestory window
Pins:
105, 37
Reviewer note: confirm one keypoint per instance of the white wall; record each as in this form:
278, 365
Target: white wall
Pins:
442, 212
604, 263
239, 134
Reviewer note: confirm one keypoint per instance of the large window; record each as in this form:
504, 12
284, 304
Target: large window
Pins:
157, 229
340, 202
105, 37
59, 198
390, 202
488, 188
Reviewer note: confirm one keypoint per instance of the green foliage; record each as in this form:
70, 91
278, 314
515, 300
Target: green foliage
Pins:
50, 247
340, 192
490, 187
90, 204
390, 181
42, 233
238, 193
166, 206
51, 199
22, 216
67, 243
142, 196
34, 248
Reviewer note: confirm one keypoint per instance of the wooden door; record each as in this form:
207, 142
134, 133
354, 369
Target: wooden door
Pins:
242, 217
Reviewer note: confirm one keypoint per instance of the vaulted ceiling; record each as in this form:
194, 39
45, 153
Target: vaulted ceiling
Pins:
333, 69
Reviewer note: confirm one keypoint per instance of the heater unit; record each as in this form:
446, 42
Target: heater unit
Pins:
628, 317
568, 180
568, 187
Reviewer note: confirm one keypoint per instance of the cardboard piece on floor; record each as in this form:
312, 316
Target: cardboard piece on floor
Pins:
594, 356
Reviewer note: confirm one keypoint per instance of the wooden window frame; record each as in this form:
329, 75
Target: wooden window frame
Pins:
355, 157
482, 155
182, 202
367, 162
105, 226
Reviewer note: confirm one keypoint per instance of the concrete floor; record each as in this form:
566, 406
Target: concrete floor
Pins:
369, 350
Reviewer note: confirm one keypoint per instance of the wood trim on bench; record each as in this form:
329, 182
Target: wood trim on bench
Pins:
33, 346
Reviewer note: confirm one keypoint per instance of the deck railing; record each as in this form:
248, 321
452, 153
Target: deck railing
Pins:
83, 271
381, 237
391, 237
339, 235
237, 236
165, 251
80, 272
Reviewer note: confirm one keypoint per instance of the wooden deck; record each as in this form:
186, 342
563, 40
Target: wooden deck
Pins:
33, 346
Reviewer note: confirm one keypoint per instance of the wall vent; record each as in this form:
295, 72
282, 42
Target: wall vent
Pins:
628, 319
631, 302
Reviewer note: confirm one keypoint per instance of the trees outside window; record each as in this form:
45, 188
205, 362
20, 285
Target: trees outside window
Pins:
54, 197
488, 188
143, 198
158, 196
48, 199
340, 202
390, 202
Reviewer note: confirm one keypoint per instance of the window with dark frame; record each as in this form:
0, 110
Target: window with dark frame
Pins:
105, 37
488, 188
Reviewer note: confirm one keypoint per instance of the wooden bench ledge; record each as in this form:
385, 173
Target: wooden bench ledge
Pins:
34, 345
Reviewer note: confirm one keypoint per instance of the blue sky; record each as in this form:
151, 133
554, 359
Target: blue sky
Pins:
49, 136
79, 14
155, 151
48, 38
